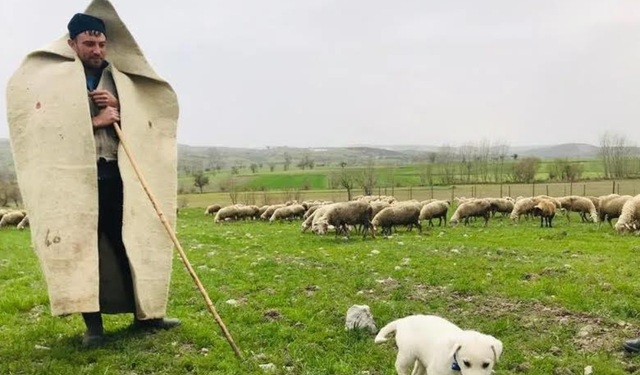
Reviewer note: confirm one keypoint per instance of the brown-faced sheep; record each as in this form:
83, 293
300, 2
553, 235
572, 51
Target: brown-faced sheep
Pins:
546, 209
406, 214
342, 215
212, 209
435, 210
612, 208
475, 208
12, 218
294, 211
575, 203
630, 218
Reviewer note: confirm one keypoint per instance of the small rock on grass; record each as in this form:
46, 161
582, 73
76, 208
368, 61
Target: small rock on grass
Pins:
359, 316
268, 367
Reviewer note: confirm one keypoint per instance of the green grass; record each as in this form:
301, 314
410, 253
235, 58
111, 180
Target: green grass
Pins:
533, 288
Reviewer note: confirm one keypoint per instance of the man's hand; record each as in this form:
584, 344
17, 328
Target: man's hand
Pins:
106, 117
104, 98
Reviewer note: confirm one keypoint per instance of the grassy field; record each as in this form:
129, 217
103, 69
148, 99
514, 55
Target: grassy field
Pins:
318, 178
560, 299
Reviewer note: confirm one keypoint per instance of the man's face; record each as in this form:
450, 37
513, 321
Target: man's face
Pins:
90, 48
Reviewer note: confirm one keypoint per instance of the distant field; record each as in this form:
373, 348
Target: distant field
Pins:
389, 176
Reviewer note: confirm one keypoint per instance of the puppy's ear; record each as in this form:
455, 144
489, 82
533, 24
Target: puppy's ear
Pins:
455, 346
496, 346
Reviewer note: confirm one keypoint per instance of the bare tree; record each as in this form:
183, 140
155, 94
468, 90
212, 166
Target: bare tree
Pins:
368, 178
347, 180
447, 156
254, 168
616, 154
287, 161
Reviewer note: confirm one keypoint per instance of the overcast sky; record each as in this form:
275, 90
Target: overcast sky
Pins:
251, 73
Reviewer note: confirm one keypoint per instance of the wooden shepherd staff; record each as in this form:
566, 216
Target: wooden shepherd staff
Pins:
171, 233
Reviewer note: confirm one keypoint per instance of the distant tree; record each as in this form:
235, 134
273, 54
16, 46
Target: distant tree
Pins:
343, 164
287, 161
368, 178
254, 168
200, 180
235, 170
514, 156
272, 167
525, 170
347, 180
616, 155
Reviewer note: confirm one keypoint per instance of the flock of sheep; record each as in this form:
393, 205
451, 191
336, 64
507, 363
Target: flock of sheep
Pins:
368, 214
16, 218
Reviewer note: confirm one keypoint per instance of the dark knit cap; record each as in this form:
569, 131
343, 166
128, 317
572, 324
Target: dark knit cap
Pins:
81, 22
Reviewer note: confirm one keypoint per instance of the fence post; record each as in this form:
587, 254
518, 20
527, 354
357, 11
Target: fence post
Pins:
410, 192
547, 189
431, 191
613, 191
571, 188
584, 190
453, 190
509, 189
533, 189
501, 190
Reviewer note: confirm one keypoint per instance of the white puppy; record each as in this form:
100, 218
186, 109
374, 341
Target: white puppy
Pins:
434, 346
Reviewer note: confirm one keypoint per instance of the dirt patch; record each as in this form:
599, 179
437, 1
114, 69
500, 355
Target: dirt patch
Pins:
272, 314
593, 333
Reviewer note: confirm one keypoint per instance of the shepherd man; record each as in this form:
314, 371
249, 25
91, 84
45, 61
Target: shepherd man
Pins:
101, 246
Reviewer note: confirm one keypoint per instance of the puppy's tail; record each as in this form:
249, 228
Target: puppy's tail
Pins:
385, 331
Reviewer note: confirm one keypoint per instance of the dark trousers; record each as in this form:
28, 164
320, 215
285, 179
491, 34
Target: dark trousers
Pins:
116, 286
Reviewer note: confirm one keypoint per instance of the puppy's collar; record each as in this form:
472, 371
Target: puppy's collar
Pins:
455, 366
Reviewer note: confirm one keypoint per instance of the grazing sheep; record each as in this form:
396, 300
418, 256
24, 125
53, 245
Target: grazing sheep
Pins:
212, 209
553, 200
518, 198
399, 214
476, 208
3, 212
262, 210
575, 203
435, 210
310, 211
501, 205
523, 206
295, 211
546, 209
379, 206
311, 219
228, 213
612, 208
266, 215
630, 218
12, 218
24, 223
341, 215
